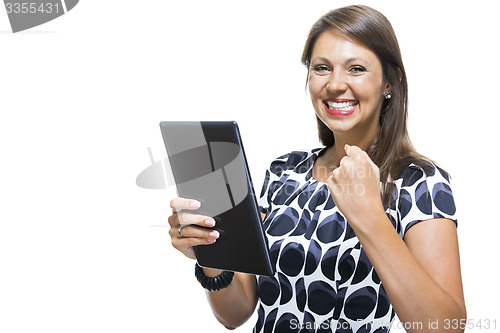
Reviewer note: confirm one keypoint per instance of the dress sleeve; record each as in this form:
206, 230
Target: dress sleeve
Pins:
271, 182
425, 194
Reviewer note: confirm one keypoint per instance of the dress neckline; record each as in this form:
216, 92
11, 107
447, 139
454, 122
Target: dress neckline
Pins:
315, 154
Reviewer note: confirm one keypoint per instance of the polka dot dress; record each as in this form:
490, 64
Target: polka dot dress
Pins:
324, 281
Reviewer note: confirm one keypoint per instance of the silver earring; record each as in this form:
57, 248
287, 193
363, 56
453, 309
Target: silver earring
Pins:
387, 95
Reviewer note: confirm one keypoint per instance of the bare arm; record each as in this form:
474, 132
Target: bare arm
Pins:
233, 305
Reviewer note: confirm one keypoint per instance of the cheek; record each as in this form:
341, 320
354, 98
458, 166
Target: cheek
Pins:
315, 83
369, 91
315, 87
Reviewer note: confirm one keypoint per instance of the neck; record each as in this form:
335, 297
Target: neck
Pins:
335, 153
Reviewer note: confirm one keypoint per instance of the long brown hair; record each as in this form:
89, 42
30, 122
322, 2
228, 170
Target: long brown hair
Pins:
391, 149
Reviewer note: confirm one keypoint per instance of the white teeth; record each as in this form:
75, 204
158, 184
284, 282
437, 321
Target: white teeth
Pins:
342, 106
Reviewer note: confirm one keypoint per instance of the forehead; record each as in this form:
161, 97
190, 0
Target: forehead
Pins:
333, 45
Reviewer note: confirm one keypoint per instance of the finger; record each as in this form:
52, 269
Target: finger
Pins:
173, 220
192, 231
331, 179
334, 187
352, 150
177, 219
342, 160
183, 244
335, 173
201, 220
178, 204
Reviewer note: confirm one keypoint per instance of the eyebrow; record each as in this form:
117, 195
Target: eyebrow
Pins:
320, 59
349, 60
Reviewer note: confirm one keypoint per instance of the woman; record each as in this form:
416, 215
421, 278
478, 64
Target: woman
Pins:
342, 219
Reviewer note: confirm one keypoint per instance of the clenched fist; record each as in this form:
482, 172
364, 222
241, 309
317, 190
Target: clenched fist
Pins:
355, 187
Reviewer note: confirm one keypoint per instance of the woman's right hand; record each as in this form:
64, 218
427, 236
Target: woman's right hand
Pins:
189, 225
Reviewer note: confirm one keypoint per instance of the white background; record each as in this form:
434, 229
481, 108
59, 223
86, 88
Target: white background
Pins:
83, 249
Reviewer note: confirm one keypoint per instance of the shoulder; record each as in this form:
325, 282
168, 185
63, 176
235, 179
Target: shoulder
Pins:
419, 171
294, 161
425, 192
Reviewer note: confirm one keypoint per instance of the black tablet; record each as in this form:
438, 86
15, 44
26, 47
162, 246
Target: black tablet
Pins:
208, 164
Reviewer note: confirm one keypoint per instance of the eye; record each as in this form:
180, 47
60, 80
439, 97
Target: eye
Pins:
357, 69
321, 69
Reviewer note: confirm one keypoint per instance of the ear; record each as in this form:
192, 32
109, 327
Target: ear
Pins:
400, 74
387, 89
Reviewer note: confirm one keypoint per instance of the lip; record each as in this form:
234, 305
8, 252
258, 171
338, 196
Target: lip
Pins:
339, 100
339, 112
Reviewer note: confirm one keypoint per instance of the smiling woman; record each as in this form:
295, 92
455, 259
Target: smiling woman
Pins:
359, 229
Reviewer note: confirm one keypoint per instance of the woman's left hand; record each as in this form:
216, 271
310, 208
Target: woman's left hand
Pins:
355, 186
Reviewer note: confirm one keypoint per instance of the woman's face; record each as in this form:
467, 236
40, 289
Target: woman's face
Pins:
346, 85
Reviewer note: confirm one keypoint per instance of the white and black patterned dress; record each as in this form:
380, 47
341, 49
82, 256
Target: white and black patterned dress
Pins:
324, 281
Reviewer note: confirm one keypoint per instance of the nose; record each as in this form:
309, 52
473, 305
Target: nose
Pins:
337, 82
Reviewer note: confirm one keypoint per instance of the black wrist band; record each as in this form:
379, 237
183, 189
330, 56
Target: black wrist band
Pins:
215, 283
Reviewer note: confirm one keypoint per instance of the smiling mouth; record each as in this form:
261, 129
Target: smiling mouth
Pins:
340, 105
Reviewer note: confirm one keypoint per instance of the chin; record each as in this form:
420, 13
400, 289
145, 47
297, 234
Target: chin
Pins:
336, 125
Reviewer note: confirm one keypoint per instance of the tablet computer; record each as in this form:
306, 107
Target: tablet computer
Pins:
208, 164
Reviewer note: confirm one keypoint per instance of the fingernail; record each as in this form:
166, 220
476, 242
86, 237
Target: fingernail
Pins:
210, 222
346, 147
194, 204
214, 234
